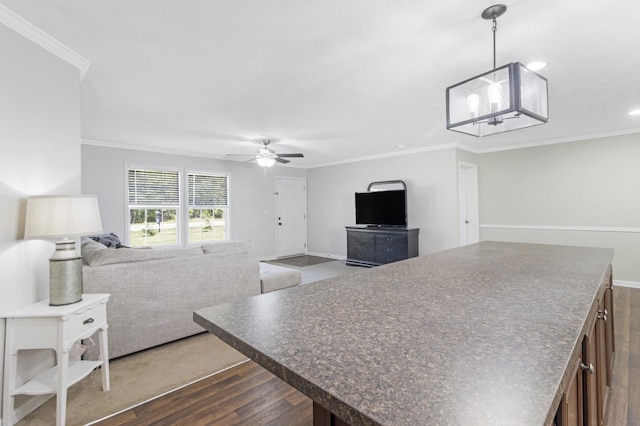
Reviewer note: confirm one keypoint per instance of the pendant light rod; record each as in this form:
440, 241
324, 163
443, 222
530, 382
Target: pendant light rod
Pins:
494, 12
495, 30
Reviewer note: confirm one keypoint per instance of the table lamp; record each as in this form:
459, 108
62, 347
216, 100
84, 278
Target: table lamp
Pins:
53, 216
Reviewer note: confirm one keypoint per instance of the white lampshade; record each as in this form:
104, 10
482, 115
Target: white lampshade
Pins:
52, 216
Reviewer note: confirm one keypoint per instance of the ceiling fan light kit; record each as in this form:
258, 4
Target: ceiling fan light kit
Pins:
508, 98
267, 157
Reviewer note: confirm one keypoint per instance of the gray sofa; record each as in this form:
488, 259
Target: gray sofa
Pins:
154, 291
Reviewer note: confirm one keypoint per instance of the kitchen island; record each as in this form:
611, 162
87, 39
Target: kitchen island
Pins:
489, 333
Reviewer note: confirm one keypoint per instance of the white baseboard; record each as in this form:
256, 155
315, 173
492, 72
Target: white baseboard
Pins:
630, 284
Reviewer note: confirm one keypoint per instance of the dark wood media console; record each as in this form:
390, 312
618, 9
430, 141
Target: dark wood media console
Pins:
373, 246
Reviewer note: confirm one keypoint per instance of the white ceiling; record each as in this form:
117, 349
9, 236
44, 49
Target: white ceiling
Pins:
334, 79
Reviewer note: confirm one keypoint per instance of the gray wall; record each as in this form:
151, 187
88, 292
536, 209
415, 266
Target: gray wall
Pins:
432, 188
40, 134
579, 193
251, 190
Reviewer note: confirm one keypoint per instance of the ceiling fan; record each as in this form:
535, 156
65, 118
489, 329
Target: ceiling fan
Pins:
267, 157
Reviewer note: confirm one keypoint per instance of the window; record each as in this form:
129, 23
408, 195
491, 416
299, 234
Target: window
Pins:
155, 203
154, 207
208, 204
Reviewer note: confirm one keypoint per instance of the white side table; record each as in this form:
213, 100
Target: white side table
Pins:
40, 326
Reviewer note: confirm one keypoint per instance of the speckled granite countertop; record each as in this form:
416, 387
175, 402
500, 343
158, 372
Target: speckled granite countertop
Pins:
478, 335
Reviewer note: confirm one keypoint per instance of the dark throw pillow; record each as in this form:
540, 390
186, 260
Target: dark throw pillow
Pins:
109, 240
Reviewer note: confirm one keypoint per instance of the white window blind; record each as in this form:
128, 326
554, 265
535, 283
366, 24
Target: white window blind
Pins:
154, 187
207, 190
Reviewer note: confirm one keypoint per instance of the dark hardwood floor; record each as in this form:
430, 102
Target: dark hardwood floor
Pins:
624, 403
249, 395
244, 395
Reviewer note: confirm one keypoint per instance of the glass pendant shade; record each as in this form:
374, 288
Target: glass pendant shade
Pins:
508, 98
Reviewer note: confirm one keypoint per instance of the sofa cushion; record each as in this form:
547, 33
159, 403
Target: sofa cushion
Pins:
97, 257
227, 247
88, 246
273, 277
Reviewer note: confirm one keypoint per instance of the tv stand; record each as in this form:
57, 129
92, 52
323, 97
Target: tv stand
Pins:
374, 245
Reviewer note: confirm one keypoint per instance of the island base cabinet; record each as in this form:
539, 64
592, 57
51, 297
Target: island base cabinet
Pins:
585, 399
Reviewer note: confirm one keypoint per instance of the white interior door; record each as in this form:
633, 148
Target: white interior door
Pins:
468, 201
291, 210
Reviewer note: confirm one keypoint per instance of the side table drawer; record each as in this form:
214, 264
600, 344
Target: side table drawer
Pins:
84, 323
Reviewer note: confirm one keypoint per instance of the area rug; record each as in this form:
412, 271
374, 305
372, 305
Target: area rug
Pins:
139, 377
301, 261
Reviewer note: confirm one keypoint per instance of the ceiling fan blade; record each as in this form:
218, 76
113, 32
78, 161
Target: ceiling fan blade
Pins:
298, 155
280, 160
240, 155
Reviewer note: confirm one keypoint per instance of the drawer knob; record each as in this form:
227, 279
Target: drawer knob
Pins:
603, 315
88, 321
588, 368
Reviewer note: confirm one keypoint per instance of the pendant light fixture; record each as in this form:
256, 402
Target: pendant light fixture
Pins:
507, 98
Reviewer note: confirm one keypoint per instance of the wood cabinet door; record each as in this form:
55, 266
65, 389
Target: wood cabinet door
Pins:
609, 329
602, 368
570, 412
589, 376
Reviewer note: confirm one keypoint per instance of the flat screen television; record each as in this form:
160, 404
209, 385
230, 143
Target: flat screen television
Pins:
381, 208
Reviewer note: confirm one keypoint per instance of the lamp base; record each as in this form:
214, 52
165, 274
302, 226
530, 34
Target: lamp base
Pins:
65, 275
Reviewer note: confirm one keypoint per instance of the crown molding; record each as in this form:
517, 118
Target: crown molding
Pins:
119, 145
161, 150
398, 153
42, 39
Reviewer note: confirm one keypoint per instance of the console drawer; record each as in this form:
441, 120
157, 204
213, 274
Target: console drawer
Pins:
84, 323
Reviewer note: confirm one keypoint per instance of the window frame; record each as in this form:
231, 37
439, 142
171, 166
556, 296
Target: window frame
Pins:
182, 209
188, 206
177, 207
